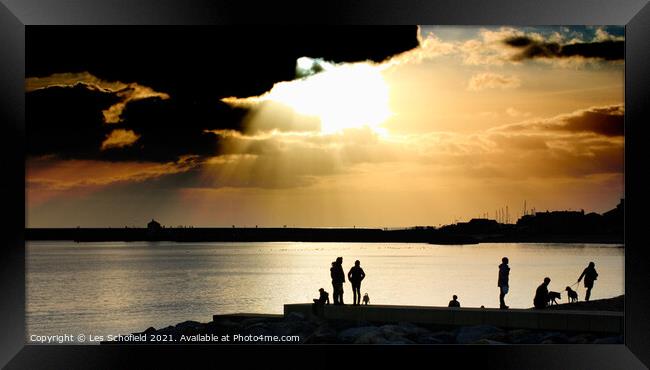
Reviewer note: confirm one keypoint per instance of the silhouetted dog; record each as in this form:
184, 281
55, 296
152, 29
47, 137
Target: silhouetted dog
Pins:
552, 296
366, 299
572, 295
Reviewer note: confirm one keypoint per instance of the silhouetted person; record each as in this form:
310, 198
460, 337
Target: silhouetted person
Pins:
320, 302
334, 284
366, 299
504, 275
324, 297
590, 274
541, 294
454, 302
338, 278
356, 275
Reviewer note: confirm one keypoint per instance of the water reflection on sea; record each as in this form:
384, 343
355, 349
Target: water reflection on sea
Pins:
110, 288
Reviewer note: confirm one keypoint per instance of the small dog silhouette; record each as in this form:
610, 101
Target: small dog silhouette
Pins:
552, 296
366, 299
572, 295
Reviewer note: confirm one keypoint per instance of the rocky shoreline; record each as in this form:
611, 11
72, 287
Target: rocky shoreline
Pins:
264, 329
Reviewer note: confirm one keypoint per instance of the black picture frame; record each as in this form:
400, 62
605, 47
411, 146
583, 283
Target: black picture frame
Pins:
15, 15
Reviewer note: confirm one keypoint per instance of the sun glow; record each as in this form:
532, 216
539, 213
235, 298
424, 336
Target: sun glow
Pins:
342, 96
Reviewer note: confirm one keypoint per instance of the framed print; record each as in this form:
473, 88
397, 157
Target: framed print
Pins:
455, 180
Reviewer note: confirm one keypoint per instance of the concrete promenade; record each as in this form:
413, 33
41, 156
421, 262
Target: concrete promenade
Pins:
567, 320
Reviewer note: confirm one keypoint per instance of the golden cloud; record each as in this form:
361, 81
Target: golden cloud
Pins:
119, 138
61, 175
488, 80
126, 91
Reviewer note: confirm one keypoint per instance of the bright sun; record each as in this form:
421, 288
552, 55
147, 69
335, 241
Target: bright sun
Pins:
341, 96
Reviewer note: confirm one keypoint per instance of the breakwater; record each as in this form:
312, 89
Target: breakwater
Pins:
367, 235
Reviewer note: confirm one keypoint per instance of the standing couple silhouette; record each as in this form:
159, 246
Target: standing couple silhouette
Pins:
355, 275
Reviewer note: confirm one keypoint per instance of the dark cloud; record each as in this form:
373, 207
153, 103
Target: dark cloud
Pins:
531, 49
195, 67
68, 122
607, 121
205, 61
172, 128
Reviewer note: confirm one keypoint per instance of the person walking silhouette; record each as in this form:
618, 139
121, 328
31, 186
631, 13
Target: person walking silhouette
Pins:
504, 276
356, 275
590, 275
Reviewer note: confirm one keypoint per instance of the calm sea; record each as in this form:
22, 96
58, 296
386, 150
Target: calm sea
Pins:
120, 288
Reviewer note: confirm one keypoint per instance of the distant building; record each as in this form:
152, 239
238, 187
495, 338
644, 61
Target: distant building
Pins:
573, 222
478, 226
554, 222
616, 212
475, 226
154, 225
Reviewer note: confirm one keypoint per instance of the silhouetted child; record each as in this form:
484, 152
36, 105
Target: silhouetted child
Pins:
454, 302
366, 299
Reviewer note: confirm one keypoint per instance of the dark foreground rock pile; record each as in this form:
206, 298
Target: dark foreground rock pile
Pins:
256, 330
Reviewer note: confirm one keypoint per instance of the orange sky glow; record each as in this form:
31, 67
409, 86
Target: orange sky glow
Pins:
455, 129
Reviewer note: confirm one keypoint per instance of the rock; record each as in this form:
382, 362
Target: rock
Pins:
150, 330
340, 325
322, 334
392, 331
189, 327
351, 334
296, 327
259, 328
471, 334
377, 337
294, 316
412, 330
373, 337
444, 336
403, 331
168, 330
440, 337
609, 340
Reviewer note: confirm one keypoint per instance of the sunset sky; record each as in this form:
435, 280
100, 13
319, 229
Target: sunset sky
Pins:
320, 126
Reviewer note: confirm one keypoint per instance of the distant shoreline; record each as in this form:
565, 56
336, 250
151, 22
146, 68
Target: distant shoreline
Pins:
341, 235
